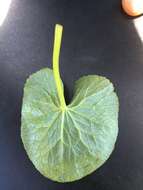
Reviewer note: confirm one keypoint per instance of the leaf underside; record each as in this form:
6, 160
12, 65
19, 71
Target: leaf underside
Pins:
68, 145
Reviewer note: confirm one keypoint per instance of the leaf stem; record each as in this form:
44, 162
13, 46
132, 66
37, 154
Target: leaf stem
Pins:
56, 53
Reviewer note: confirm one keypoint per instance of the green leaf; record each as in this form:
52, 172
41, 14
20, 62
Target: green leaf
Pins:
66, 146
68, 142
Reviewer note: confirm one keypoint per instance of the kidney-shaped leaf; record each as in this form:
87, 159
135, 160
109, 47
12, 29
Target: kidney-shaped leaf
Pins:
68, 145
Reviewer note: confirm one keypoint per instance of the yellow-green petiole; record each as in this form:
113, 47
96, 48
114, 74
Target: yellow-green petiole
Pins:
56, 53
